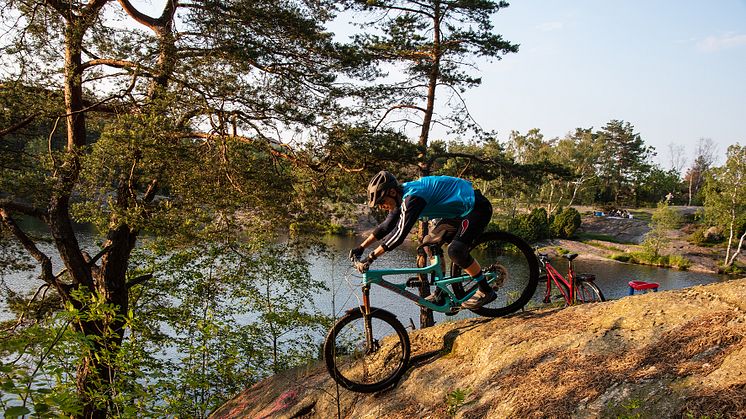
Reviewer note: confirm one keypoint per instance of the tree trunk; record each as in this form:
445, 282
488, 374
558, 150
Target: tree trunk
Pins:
737, 251
689, 203
95, 369
426, 315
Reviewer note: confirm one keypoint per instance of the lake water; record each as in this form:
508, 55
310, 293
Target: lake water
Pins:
612, 277
344, 282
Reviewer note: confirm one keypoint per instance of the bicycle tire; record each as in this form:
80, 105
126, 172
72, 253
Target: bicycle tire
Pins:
588, 292
349, 360
511, 255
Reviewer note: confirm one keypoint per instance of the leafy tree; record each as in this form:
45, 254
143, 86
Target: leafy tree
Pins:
697, 173
580, 151
178, 126
663, 220
657, 184
725, 201
623, 161
430, 44
528, 148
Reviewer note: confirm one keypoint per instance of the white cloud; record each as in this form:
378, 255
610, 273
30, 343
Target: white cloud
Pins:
717, 43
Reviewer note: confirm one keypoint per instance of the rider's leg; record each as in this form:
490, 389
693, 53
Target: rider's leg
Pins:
472, 227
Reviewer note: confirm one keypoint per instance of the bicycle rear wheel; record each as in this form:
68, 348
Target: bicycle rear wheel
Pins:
588, 292
512, 270
367, 353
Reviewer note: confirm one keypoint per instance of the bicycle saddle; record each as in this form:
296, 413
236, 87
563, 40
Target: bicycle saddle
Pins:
435, 238
442, 233
571, 256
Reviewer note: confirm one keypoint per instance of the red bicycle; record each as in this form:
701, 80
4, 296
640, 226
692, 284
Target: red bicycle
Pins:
575, 289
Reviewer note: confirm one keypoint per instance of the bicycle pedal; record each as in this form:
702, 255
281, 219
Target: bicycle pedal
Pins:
454, 311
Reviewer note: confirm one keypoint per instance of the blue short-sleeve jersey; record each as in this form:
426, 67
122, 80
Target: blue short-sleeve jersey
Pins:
445, 196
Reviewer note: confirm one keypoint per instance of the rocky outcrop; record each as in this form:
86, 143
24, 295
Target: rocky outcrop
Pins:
667, 354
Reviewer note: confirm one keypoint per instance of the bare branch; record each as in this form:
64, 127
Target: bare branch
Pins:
393, 108
18, 125
106, 61
26, 209
30, 246
139, 280
139, 17
402, 9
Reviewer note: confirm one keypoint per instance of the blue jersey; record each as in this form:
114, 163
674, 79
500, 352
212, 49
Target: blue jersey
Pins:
430, 196
445, 196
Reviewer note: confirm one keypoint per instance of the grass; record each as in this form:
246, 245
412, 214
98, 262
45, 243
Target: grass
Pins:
587, 237
642, 215
455, 399
604, 246
643, 258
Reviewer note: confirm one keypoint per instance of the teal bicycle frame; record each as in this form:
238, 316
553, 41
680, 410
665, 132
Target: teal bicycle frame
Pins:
441, 282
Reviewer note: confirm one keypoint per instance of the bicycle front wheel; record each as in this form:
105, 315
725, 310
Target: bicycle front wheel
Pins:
588, 292
511, 268
367, 353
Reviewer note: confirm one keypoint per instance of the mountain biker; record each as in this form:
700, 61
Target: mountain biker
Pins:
445, 197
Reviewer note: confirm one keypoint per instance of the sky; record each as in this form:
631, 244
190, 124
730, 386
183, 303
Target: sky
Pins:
675, 70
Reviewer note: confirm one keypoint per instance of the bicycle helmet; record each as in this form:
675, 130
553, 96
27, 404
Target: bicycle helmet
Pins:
379, 185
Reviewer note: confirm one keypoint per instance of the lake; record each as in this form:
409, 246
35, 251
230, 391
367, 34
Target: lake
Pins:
344, 282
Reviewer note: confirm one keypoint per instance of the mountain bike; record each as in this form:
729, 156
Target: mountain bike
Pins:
576, 288
368, 349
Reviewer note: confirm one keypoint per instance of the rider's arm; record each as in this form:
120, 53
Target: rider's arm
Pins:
381, 230
411, 208
400, 220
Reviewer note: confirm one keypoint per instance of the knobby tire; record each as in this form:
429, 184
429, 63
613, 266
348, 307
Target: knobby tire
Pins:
521, 281
352, 365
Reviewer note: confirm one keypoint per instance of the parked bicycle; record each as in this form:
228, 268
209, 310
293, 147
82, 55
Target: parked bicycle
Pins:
368, 349
576, 288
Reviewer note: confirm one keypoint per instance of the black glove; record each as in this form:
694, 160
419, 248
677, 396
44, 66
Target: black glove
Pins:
362, 266
356, 253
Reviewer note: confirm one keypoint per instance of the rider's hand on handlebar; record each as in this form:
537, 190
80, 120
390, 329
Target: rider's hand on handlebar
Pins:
356, 253
362, 266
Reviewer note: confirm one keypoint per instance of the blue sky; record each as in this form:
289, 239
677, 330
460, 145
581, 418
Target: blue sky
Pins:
676, 70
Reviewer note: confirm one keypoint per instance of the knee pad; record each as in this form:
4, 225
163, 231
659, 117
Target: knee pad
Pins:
459, 253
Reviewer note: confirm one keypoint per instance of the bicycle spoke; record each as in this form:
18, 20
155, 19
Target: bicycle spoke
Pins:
511, 269
366, 354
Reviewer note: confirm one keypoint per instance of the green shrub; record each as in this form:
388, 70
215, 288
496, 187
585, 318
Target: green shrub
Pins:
651, 258
734, 269
531, 227
679, 262
537, 225
564, 223
538, 221
698, 237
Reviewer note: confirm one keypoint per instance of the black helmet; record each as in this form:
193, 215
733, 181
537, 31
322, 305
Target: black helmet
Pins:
381, 182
